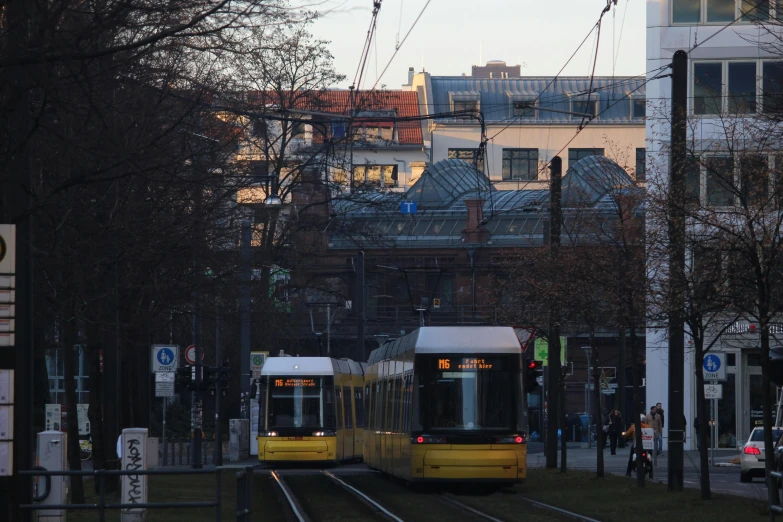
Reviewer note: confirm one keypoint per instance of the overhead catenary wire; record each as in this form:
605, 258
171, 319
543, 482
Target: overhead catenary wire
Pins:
398, 46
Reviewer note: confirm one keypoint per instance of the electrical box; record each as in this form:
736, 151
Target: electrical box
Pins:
51, 455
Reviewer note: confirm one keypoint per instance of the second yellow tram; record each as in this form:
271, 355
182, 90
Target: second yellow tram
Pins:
311, 409
446, 404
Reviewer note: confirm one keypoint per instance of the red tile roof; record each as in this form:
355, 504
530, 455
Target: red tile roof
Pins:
404, 104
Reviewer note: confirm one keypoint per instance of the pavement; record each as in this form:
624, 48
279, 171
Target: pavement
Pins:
724, 475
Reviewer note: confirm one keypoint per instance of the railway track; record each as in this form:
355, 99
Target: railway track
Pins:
344, 495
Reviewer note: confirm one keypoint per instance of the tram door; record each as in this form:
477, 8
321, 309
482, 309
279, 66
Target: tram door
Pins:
350, 436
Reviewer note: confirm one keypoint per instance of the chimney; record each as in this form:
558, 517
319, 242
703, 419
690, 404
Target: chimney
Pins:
410, 75
475, 232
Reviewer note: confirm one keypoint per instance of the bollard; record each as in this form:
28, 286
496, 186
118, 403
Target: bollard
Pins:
51, 456
134, 487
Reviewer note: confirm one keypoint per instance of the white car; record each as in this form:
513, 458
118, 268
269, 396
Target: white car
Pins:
752, 458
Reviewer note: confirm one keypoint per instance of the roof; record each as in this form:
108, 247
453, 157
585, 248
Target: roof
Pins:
398, 104
590, 179
496, 94
443, 183
451, 340
298, 366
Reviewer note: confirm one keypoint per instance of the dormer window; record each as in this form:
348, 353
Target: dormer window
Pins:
467, 106
523, 108
582, 106
465, 103
639, 108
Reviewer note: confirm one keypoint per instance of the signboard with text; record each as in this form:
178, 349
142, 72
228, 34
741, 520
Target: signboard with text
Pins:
257, 360
714, 366
647, 438
713, 391
164, 358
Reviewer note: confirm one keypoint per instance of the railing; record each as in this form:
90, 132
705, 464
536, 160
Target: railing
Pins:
244, 491
774, 508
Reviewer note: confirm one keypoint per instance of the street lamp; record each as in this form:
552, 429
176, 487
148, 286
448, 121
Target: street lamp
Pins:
272, 200
589, 353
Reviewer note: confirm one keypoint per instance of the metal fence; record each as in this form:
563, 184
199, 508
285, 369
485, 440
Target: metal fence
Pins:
774, 508
244, 505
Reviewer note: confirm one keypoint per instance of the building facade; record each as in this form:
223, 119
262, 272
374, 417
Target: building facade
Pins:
733, 74
529, 120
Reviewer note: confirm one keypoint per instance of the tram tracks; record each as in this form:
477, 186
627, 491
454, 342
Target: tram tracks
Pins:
330, 496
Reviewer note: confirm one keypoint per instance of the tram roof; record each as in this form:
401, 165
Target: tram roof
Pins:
451, 339
298, 366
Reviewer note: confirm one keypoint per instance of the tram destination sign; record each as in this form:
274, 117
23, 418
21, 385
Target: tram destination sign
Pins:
295, 383
469, 363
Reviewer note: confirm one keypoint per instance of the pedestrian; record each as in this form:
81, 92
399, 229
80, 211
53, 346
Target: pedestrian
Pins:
629, 435
615, 429
654, 420
659, 407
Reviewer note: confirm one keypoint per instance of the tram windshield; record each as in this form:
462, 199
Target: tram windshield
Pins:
468, 393
300, 402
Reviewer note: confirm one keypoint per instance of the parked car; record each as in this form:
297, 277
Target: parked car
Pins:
752, 458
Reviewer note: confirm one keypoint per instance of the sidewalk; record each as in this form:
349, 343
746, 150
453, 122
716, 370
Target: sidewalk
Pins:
584, 458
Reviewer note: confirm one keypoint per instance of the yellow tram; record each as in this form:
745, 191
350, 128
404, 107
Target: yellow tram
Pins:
310, 409
446, 404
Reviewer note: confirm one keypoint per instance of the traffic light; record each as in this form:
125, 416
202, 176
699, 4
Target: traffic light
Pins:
532, 369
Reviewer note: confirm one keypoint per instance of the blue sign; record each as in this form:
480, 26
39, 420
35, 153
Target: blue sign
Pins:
165, 356
408, 207
711, 363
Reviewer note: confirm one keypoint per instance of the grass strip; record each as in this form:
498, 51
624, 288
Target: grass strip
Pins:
617, 499
325, 501
191, 488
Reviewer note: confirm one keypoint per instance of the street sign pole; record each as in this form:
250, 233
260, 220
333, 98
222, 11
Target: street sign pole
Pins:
163, 434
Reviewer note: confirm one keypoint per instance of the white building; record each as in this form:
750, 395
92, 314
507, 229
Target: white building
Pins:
522, 139
729, 72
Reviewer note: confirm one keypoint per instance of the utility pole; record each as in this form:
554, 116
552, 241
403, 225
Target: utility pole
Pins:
360, 306
677, 269
218, 390
553, 372
195, 395
621, 373
244, 318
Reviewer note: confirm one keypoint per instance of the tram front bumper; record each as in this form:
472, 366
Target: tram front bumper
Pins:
308, 449
501, 465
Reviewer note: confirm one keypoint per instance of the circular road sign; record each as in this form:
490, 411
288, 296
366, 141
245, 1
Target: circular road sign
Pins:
711, 363
190, 354
165, 356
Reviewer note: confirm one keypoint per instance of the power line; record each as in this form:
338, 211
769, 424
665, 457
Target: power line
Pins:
400, 44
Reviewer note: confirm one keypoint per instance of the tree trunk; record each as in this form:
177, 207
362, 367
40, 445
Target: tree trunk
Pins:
69, 328
599, 421
621, 373
635, 412
563, 423
769, 443
95, 412
701, 414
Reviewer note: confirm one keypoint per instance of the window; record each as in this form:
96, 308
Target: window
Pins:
520, 164
575, 155
296, 405
754, 178
470, 106
742, 87
639, 107
375, 175
720, 11
338, 407
772, 86
720, 181
469, 155
523, 109
259, 170
641, 169
583, 106
686, 11
360, 413
378, 131
752, 10
707, 87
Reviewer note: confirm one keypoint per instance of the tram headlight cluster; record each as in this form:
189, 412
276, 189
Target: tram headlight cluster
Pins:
270, 434
324, 434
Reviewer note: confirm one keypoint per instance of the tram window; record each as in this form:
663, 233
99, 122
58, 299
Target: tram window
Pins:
387, 421
378, 404
397, 393
471, 394
295, 403
338, 407
359, 408
348, 411
329, 408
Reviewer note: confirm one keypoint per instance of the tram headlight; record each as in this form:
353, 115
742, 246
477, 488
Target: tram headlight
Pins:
270, 434
326, 433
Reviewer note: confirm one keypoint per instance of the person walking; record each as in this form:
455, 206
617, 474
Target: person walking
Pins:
629, 435
654, 421
615, 429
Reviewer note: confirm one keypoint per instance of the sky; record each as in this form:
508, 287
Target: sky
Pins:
453, 35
